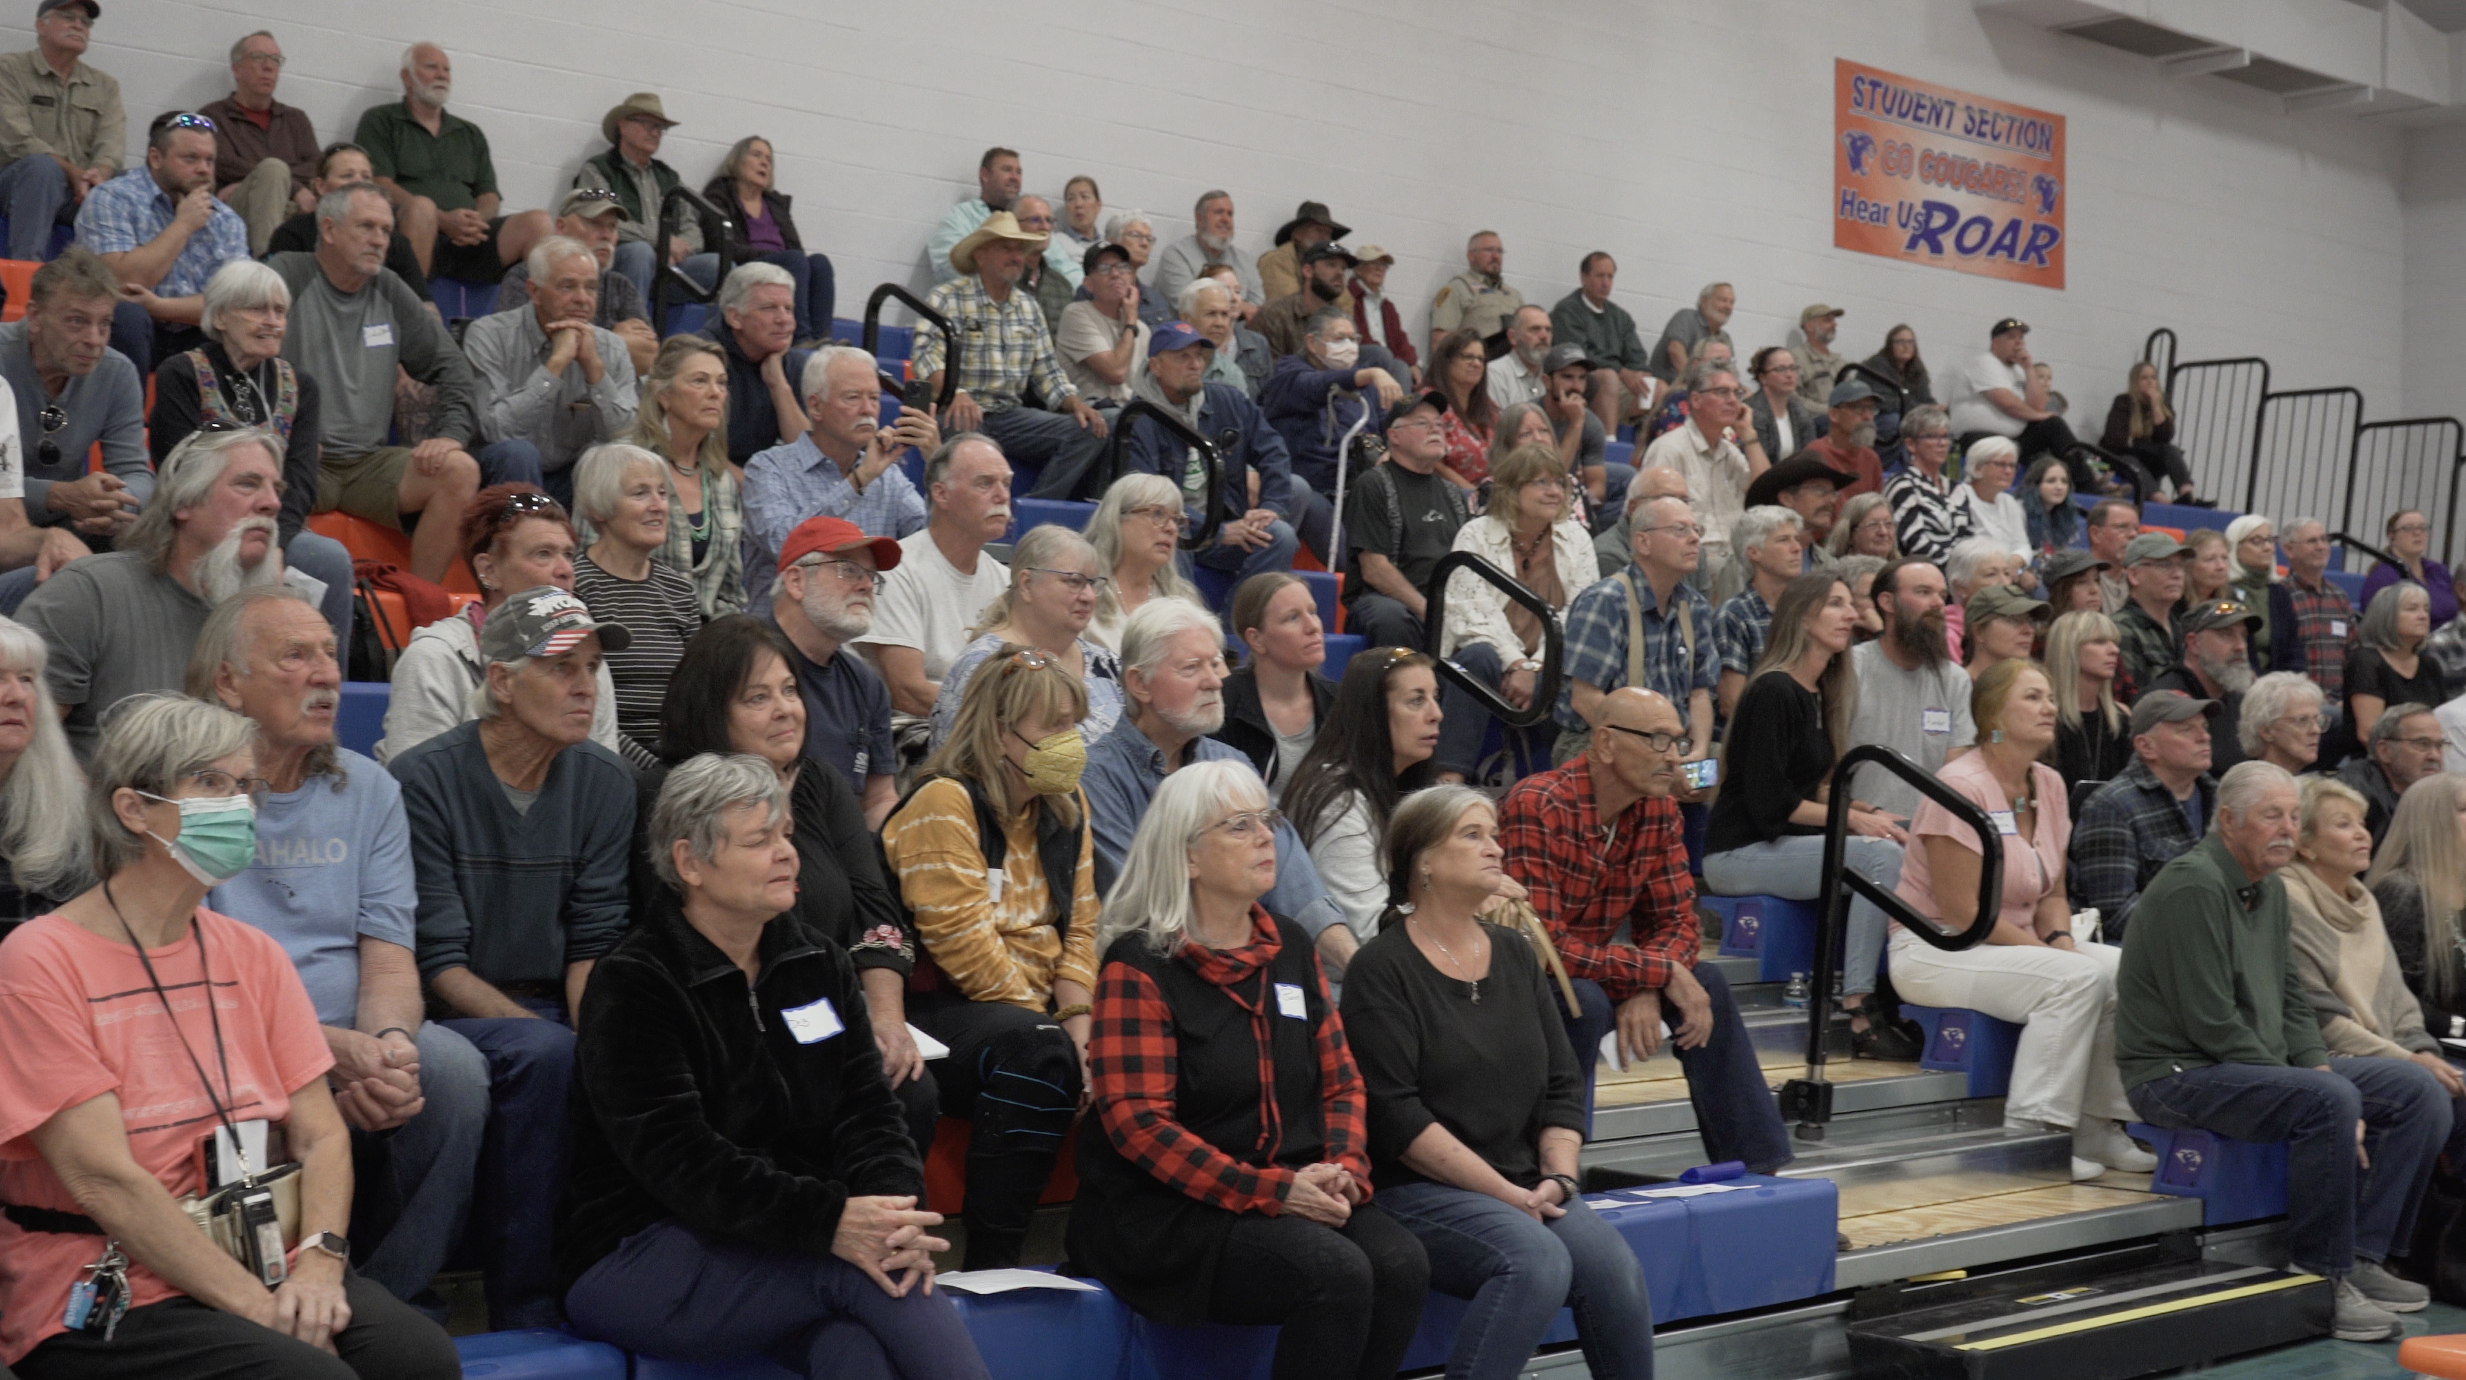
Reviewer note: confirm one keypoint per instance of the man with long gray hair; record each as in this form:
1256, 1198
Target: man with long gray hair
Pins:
332, 884
2213, 1032
1173, 693
121, 623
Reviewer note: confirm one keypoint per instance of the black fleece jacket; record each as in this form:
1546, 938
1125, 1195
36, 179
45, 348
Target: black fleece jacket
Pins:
695, 1099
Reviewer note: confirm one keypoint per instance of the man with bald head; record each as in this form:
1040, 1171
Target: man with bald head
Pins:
1598, 845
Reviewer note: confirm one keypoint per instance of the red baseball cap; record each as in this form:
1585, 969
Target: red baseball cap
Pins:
834, 535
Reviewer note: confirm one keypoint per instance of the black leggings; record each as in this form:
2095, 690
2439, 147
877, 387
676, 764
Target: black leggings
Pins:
1349, 1298
1014, 1074
182, 1339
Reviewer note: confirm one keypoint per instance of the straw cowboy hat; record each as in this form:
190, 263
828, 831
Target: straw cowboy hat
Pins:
1001, 225
639, 103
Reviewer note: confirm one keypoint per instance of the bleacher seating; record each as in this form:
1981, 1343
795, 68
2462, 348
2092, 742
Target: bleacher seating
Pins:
2442, 1358
457, 299
2236, 1181
1778, 933
361, 720
16, 285
1959, 1040
1036, 512
1341, 649
535, 1354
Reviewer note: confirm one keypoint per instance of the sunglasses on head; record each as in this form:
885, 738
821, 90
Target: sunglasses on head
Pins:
523, 505
189, 119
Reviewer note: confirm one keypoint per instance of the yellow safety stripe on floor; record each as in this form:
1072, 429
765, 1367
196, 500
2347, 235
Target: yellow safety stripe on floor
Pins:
2135, 1314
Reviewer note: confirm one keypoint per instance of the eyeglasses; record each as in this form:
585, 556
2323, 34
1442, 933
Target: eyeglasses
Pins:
849, 572
214, 782
2410, 529
1926, 435
1137, 237
1729, 393
1248, 826
263, 59
1173, 519
1683, 529
54, 417
523, 505
189, 119
1429, 421
1073, 581
2421, 744
595, 196
2319, 720
1033, 658
1658, 742
1779, 369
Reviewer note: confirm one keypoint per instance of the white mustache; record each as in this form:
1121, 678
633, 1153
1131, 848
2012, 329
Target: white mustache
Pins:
1001, 512
320, 701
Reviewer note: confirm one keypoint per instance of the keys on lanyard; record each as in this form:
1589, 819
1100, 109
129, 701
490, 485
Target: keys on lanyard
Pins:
97, 1302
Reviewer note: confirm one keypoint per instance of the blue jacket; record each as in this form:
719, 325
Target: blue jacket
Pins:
1225, 411
1312, 409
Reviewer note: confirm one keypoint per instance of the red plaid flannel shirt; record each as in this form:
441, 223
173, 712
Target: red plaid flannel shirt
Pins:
1584, 886
1136, 1074
2324, 653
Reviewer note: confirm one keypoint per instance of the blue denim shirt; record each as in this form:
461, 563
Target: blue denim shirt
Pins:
1123, 771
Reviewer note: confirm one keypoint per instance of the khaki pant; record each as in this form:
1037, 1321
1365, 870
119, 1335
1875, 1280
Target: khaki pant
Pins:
263, 199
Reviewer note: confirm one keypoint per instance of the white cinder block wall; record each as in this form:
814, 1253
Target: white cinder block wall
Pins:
2435, 258
1692, 141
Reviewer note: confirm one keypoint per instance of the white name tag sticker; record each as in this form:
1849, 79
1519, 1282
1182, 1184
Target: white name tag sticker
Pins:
812, 1024
1935, 720
2004, 823
1289, 1001
2337, 627
993, 885
378, 336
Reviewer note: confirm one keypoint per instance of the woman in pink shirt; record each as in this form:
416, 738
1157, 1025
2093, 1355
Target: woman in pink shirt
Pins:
119, 1070
2031, 969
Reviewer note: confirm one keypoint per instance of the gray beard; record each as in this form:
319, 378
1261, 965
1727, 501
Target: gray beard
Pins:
841, 623
219, 574
2233, 675
1214, 244
1202, 721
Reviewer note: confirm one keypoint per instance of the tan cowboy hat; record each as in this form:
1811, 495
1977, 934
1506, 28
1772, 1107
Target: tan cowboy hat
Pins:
1001, 225
639, 103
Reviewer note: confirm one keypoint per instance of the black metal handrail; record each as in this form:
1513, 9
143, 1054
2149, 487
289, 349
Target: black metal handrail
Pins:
665, 274
2149, 351
1213, 517
1808, 1100
950, 338
2354, 543
1553, 642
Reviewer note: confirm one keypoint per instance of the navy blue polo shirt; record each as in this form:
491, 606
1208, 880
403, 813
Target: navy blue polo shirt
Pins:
847, 717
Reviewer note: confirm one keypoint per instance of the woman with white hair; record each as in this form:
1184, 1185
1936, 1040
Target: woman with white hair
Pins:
1137, 534
740, 1183
42, 844
1137, 236
683, 420
237, 378
1056, 582
2277, 644
1214, 1194
1995, 512
110, 1083
622, 492
1972, 565
2283, 718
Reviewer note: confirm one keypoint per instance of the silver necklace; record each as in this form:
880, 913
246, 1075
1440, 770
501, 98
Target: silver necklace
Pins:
1474, 983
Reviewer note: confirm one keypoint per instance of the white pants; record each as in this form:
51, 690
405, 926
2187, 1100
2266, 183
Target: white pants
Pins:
2064, 1068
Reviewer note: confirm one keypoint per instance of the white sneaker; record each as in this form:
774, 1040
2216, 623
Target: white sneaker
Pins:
2105, 1142
2085, 1170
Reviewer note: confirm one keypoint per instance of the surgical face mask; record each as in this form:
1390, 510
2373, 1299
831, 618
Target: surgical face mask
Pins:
217, 839
1053, 764
1341, 354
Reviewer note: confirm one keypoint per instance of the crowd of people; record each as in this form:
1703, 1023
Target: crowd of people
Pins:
761, 766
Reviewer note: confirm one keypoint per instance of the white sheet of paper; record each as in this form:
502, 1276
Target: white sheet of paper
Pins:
815, 1021
928, 1046
1609, 1048
1004, 1281
1688, 1190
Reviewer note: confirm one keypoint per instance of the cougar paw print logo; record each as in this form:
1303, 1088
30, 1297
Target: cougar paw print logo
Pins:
1951, 1038
2188, 1159
1860, 146
2048, 189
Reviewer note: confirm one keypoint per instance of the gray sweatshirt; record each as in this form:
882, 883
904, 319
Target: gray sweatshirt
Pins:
351, 343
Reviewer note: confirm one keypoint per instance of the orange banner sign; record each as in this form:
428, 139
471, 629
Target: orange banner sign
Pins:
1930, 175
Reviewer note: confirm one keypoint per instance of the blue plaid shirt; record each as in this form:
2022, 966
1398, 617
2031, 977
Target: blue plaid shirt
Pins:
1004, 346
128, 211
1597, 644
787, 484
1739, 630
2129, 828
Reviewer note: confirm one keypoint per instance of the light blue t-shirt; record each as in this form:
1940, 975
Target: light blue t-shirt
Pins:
332, 866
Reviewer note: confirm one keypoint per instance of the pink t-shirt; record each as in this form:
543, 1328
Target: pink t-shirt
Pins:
2029, 872
78, 1019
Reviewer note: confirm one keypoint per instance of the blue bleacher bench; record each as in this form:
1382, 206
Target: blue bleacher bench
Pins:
1778, 933
360, 721
1743, 1243
1036, 512
895, 341
535, 1354
1341, 649
1959, 1040
2349, 581
2236, 1180
2186, 517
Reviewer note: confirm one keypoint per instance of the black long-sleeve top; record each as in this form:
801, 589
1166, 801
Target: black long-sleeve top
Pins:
749, 1111
179, 409
2402, 914
1495, 1072
1777, 757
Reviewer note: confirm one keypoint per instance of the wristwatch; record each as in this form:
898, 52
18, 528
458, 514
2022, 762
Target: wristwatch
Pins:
1569, 1190
329, 1243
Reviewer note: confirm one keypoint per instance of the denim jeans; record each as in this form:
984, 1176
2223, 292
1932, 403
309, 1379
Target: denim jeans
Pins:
530, 1071
669, 1291
1793, 867
2336, 1211
1734, 1109
1518, 1273
432, 1161
510, 461
33, 194
1242, 563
